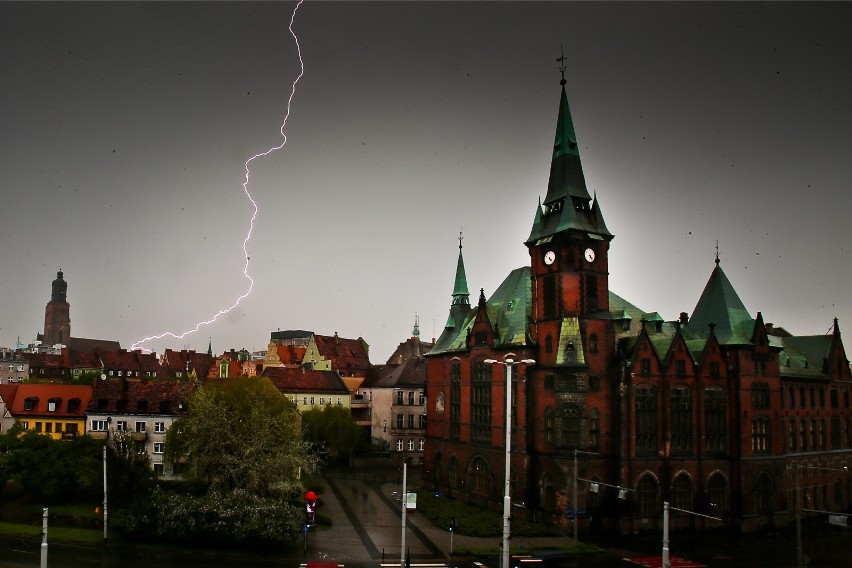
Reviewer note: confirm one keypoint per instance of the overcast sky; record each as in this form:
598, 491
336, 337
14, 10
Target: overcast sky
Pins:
124, 128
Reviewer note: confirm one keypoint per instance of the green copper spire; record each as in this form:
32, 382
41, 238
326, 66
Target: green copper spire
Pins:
720, 307
567, 205
460, 294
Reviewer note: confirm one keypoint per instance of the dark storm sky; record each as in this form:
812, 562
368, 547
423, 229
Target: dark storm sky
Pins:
124, 128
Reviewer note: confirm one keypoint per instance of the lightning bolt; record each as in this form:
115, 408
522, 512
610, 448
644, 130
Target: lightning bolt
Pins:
139, 344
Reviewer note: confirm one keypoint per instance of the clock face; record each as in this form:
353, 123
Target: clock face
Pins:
549, 257
589, 255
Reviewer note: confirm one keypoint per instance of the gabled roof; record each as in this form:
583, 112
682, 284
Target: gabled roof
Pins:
159, 397
720, 305
411, 373
290, 380
186, 362
290, 354
39, 395
805, 356
7, 394
508, 310
348, 356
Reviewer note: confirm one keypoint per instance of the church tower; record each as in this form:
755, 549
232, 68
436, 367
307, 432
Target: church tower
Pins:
568, 246
57, 319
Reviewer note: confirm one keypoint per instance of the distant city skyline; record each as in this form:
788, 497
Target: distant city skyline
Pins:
125, 127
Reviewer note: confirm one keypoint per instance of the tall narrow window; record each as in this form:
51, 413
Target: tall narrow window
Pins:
646, 420
455, 400
760, 435
480, 477
594, 428
647, 492
682, 492
548, 425
717, 494
681, 415
480, 402
714, 421
760, 395
570, 415
549, 292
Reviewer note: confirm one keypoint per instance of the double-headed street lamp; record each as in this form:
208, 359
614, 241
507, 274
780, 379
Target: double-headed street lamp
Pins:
508, 362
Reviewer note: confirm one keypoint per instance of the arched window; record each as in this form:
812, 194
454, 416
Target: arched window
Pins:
453, 473
764, 490
648, 494
717, 494
569, 418
480, 477
682, 492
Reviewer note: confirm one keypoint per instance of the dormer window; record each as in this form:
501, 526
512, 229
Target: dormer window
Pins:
30, 403
73, 404
53, 404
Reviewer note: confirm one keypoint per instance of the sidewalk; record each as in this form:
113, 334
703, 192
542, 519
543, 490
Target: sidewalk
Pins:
367, 526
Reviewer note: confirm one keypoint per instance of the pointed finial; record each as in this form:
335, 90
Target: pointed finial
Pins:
416, 332
460, 239
717, 252
561, 61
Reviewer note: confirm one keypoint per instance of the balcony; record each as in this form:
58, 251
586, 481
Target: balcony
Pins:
98, 434
139, 436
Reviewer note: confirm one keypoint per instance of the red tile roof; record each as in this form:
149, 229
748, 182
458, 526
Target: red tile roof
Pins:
348, 356
291, 380
39, 395
140, 396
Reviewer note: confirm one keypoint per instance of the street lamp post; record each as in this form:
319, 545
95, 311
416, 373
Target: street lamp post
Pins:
508, 362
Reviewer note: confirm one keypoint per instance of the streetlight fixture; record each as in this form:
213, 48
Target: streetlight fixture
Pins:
797, 472
594, 487
508, 362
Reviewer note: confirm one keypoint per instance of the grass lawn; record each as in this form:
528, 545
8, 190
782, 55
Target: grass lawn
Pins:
59, 534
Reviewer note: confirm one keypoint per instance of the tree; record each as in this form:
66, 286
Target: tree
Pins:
241, 434
334, 428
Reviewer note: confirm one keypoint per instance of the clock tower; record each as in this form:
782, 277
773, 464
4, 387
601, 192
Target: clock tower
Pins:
568, 246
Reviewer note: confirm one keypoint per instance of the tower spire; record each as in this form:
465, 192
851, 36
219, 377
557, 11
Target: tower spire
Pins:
460, 294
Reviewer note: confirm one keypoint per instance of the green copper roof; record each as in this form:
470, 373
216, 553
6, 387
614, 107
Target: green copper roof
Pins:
509, 309
720, 305
460, 293
568, 205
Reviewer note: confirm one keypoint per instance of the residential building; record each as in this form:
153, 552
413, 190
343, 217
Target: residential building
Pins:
719, 413
7, 400
309, 388
51, 409
139, 412
14, 367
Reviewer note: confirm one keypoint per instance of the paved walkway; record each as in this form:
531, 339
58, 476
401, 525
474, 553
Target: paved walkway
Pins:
367, 526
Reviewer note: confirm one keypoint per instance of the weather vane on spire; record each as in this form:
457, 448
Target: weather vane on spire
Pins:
561, 61
460, 239
717, 251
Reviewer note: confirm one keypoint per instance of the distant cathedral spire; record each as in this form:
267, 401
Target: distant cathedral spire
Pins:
416, 332
57, 318
460, 294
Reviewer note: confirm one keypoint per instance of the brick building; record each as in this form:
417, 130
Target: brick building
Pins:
715, 413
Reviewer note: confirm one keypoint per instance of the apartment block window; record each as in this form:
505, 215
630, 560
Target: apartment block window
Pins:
411, 398
411, 445
312, 401
422, 421
422, 399
48, 427
159, 427
400, 396
141, 427
121, 426
322, 401
400, 420
420, 444
399, 445
159, 447
304, 401
158, 469
411, 421
99, 426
